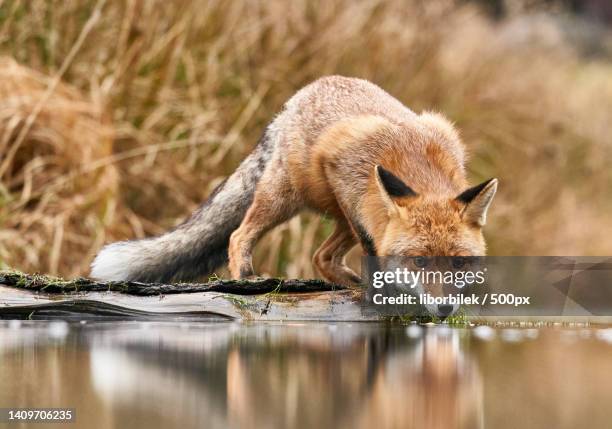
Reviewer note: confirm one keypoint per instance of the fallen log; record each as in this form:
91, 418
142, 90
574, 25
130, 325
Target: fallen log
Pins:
25, 296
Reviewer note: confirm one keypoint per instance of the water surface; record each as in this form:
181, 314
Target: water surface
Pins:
308, 375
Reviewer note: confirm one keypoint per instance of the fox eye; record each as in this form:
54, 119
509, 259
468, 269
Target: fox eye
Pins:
420, 261
458, 262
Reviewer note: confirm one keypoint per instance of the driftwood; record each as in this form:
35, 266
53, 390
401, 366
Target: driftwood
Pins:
33, 296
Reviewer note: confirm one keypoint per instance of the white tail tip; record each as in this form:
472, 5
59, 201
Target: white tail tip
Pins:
115, 262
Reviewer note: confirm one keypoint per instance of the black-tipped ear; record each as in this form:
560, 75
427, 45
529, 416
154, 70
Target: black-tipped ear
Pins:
477, 200
468, 195
392, 184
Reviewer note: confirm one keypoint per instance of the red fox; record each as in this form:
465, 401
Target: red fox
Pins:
393, 180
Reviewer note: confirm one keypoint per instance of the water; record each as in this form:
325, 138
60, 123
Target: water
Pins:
230, 375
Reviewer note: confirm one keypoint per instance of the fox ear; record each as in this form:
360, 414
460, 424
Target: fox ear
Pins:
391, 186
477, 200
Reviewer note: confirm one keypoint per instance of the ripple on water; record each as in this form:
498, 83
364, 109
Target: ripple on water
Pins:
512, 335
414, 331
484, 333
58, 330
604, 335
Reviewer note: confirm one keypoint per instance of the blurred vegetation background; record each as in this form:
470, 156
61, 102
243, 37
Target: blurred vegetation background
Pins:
119, 117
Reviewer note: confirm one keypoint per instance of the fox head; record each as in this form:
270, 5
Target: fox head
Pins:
424, 225
432, 230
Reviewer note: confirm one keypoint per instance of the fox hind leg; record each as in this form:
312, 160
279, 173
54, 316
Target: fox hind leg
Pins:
329, 257
274, 203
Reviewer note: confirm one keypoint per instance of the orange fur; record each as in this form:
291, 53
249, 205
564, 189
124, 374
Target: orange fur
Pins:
331, 138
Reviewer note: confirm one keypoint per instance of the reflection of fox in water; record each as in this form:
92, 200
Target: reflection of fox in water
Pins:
434, 385
382, 380
393, 180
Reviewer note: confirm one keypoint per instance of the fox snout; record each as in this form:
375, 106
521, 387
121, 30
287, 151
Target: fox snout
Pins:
445, 310
441, 311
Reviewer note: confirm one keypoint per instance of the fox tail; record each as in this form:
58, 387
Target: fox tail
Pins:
196, 247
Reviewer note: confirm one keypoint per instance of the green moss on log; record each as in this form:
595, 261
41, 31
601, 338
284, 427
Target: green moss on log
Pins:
55, 285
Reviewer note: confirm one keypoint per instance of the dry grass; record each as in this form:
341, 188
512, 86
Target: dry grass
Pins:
118, 125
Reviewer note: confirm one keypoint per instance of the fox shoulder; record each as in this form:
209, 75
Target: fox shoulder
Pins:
443, 139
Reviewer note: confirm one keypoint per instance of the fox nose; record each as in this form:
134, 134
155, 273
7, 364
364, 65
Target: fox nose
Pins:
444, 310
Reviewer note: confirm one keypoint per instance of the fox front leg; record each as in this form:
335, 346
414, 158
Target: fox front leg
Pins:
271, 206
329, 258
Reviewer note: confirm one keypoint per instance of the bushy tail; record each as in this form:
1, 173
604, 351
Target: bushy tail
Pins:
196, 247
